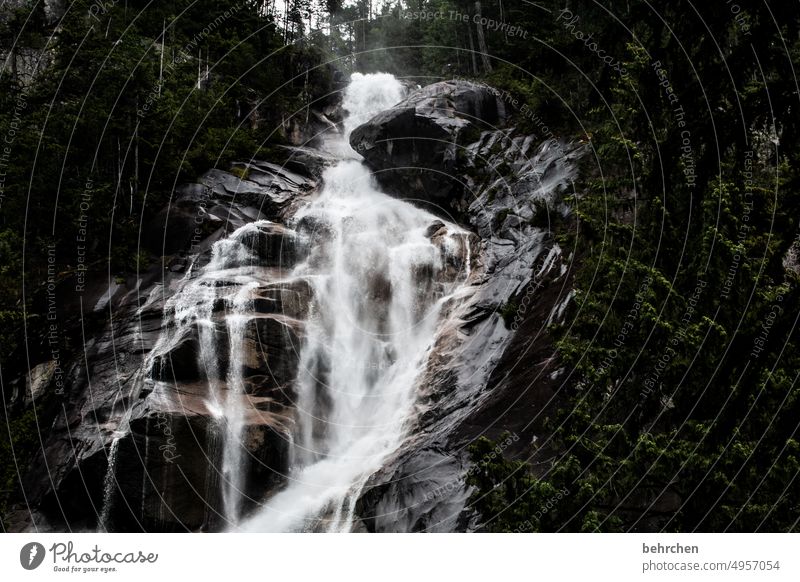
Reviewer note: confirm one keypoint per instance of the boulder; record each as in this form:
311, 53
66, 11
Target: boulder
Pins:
415, 148
272, 244
308, 161
39, 380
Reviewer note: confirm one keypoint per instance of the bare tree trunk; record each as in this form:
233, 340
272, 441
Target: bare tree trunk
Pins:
119, 170
306, 98
136, 156
487, 63
161, 60
353, 37
285, 21
503, 19
472, 51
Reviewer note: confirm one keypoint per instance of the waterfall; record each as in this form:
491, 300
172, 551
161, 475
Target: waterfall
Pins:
380, 272
364, 97
379, 286
109, 488
228, 280
233, 469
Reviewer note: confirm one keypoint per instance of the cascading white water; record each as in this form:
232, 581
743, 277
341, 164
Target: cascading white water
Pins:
109, 488
364, 97
374, 273
379, 282
368, 95
195, 304
240, 303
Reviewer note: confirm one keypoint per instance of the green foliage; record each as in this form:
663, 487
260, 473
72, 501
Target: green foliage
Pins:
508, 311
19, 442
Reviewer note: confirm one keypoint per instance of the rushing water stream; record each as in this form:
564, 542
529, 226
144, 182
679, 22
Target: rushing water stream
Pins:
380, 271
376, 307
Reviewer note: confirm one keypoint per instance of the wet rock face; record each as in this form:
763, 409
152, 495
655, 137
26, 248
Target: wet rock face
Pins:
416, 148
167, 465
166, 459
423, 493
140, 392
167, 473
491, 370
271, 347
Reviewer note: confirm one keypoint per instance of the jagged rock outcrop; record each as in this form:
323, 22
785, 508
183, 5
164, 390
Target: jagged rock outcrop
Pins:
417, 147
485, 376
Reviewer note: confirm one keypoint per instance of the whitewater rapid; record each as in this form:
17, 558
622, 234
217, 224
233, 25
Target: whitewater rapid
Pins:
375, 311
380, 271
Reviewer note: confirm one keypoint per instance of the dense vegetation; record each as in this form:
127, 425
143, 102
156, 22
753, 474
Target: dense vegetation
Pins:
681, 348
682, 399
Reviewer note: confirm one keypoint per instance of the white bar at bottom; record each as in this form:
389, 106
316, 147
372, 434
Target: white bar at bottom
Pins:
402, 557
